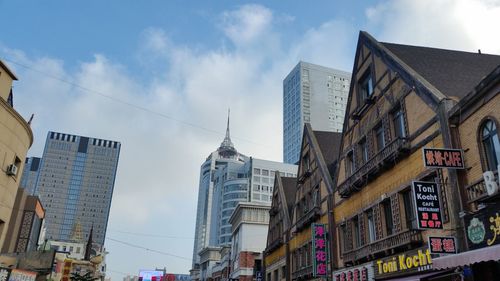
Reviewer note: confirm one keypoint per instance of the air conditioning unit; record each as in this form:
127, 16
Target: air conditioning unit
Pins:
12, 170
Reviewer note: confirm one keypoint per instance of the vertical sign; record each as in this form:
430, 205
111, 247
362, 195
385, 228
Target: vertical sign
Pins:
427, 207
4, 273
442, 245
319, 250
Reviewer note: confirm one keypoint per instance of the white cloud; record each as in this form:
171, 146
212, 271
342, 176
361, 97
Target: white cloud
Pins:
466, 25
246, 24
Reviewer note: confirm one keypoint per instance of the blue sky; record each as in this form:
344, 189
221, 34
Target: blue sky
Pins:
160, 75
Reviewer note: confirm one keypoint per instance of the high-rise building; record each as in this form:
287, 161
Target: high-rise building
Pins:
312, 94
30, 174
75, 184
228, 177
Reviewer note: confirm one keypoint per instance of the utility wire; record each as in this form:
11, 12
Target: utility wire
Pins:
149, 234
147, 249
89, 90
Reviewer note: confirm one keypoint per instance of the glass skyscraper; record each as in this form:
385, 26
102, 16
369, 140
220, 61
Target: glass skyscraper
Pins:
75, 184
312, 94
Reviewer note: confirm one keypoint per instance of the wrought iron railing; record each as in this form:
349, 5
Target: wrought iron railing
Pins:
366, 172
309, 217
302, 273
390, 242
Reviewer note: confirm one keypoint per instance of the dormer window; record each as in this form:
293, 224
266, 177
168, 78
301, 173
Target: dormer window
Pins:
366, 86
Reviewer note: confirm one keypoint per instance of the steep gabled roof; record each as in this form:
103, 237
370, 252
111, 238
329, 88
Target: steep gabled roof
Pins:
453, 73
329, 144
289, 187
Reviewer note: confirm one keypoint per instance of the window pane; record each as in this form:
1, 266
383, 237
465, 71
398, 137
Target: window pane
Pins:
371, 226
491, 145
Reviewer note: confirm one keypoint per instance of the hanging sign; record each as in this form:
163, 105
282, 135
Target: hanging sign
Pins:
319, 250
442, 245
427, 206
443, 158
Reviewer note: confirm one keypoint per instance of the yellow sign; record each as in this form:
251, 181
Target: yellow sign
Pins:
404, 262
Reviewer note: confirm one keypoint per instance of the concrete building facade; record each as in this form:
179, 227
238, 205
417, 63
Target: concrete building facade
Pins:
75, 184
16, 138
30, 174
226, 179
312, 94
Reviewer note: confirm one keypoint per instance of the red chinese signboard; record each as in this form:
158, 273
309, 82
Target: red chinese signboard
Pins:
319, 250
427, 206
443, 158
442, 245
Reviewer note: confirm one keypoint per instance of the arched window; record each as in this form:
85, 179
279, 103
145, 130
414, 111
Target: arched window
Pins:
491, 144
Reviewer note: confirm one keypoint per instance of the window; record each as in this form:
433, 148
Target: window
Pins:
364, 150
411, 221
357, 233
345, 240
283, 272
399, 124
491, 144
366, 86
380, 138
350, 167
371, 226
389, 226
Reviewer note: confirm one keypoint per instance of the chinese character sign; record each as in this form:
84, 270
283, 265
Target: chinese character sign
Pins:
442, 245
427, 206
4, 274
483, 227
443, 158
319, 251
22, 275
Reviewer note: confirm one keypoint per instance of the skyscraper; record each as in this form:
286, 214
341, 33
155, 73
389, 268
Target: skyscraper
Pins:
30, 174
228, 177
312, 94
75, 184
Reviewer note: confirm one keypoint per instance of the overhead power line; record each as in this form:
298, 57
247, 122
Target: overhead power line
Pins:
147, 249
150, 234
138, 107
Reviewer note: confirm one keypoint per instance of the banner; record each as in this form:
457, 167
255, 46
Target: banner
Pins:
319, 250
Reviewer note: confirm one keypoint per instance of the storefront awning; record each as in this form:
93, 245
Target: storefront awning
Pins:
467, 258
417, 277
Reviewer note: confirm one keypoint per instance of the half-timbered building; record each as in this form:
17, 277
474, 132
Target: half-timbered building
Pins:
310, 241
398, 104
276, 255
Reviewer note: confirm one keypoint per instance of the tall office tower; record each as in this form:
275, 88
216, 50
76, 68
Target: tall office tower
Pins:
75, 184
312, 94
224, 155
30, 174
227, 178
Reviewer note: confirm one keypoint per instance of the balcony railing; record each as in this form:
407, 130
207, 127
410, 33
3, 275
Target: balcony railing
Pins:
309, 217
302, 273
476, 191
406, 237
368, 170
275, 244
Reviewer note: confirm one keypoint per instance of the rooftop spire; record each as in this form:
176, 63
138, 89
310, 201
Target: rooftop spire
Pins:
226, 148
227, 139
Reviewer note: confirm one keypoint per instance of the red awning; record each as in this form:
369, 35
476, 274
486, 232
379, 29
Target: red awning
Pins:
467, 258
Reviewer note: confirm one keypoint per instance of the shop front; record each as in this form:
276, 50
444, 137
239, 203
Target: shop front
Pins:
414, 265
362, 272
482, 261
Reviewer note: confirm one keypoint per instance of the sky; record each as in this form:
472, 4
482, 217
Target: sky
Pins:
159, 76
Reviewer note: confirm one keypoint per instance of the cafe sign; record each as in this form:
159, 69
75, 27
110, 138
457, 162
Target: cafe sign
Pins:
404, 263
483, 227
427, 206
443, 158
319, 250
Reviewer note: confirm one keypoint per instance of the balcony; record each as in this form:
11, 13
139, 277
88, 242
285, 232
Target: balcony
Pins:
367, 172
275, 244
404, 238
307, 173
476, 192
308, 218
303, 273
